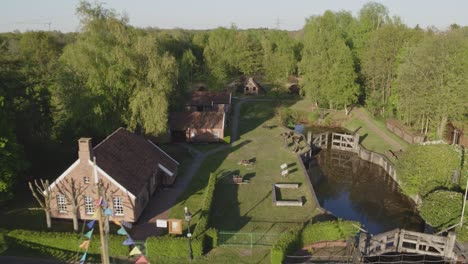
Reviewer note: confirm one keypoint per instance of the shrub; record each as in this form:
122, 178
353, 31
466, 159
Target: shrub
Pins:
204, 219
286, 244
212, 236
313, 116
442, 209
422, 169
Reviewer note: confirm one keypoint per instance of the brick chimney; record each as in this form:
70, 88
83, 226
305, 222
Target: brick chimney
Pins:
85, 149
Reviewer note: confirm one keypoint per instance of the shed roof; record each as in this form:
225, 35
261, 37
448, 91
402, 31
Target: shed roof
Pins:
201, 98
196, 120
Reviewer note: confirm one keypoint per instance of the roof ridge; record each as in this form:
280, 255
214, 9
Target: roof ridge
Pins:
109, 136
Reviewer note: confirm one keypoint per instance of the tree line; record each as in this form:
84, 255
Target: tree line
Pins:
56, 87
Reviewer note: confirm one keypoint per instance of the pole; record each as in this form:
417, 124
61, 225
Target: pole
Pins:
188, 217
464, 203
104, 256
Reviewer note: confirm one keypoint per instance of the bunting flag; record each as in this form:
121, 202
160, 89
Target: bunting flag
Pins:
128, 242
83, 258
135, 251
142, 260
108, 211
85, 245
122, 231
91, 224
89, 234
117, 222
103, 203
98, 201
95, 214
127, 224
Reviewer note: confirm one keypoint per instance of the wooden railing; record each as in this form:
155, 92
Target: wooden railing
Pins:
404, 241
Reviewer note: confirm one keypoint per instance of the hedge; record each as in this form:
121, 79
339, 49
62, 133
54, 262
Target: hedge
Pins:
203, 238
286, 244
47, 242
297, 237
170, 246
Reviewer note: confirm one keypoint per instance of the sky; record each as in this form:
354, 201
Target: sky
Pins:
205, 14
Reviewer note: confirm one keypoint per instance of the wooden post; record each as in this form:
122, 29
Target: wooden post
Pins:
104, 251
448, 251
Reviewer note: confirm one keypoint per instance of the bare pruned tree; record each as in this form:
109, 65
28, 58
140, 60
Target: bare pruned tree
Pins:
73, 192
42, 195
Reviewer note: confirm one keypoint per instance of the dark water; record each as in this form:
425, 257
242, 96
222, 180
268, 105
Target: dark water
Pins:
354, 189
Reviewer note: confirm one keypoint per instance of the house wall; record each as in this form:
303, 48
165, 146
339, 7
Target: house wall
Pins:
204, 135
249, 89
77, 174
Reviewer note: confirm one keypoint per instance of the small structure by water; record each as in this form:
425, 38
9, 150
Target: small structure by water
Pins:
354, 189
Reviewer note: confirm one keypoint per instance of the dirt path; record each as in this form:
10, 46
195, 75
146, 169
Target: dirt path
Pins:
359, 113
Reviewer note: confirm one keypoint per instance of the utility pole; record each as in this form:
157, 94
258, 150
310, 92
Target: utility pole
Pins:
104, 251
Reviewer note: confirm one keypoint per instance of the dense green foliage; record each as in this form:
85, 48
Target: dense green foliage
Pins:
423, 169
298, 237
50, 241
442, 209
204, 220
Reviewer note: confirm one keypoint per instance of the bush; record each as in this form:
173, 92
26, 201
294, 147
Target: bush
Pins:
423, 169
287, 243
170, 246
442, 209
313, 116
212, 236
46, 242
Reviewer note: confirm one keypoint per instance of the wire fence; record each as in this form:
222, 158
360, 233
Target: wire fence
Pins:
226, 238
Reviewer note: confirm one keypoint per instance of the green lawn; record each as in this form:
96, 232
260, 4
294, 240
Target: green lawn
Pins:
248, 207
371, 140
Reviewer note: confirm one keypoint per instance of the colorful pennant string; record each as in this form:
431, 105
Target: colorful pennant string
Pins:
128, 242
135, 251
108, 211
98, 202
117, 222
85, 245
83, 258
122, 231
103, 202
91, 224
89, 233
126, 224
142, 260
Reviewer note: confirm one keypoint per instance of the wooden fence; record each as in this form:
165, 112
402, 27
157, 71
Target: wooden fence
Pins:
397, 129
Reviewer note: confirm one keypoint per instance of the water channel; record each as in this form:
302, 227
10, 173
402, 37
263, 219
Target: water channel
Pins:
354, 189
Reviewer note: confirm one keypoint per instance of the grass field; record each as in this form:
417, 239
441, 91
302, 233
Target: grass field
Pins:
248, 207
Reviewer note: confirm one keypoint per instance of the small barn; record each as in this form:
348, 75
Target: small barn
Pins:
252, 87
197, 127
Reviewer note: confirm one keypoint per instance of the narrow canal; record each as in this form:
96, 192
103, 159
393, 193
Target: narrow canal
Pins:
354, 189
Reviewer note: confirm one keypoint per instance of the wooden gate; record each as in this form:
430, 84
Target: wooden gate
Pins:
320, 140
404, 241
344, 142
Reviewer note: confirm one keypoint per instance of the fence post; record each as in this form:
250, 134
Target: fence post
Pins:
251, 240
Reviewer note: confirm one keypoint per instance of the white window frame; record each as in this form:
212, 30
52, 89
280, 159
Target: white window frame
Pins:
89, 205
216, 135
117, 203
86, 179
62, 204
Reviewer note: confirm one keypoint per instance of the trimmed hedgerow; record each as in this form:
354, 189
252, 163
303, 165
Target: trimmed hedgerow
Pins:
297, 237
46, 242
170, 246
204, 220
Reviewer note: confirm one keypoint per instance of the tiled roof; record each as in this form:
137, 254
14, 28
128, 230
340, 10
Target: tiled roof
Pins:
184, 120
131, 159
202, 98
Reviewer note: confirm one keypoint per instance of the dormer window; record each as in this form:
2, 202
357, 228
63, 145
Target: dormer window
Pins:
86, 179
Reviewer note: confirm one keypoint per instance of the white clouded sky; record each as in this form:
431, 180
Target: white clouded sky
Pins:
203, 14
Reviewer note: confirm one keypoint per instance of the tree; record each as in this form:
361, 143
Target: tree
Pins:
379, 63
327, 66
41, 193
279, 56
442, 209
432, 81
73, 192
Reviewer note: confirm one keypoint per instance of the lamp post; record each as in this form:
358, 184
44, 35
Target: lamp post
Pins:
188, 217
